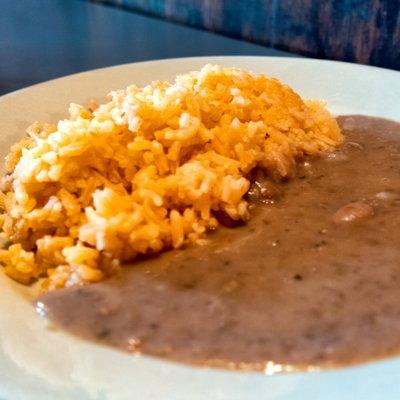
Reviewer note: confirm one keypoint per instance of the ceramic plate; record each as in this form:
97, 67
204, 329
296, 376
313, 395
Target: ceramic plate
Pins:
39, 362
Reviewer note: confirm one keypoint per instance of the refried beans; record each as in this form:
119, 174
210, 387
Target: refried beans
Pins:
313, 279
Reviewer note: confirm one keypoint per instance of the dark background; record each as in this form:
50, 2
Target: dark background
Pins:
46, 39
363, 31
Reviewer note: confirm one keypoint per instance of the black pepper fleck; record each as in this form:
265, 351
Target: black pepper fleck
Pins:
103, 333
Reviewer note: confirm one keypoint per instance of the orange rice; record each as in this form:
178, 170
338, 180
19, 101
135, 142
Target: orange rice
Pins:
148, 170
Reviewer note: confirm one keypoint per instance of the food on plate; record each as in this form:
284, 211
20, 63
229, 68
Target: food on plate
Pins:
255, 230
155, 168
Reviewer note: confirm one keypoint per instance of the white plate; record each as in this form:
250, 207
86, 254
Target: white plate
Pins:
41, 363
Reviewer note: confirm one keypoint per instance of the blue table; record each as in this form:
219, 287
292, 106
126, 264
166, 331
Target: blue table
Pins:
46, 39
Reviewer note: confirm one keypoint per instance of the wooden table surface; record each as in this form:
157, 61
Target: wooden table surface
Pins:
46, 39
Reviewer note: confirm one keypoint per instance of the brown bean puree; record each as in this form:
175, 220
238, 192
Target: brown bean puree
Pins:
312, 280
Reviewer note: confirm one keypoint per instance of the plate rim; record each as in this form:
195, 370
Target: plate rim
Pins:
295, 58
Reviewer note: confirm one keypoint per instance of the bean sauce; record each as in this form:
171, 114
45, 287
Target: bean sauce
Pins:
313, 279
